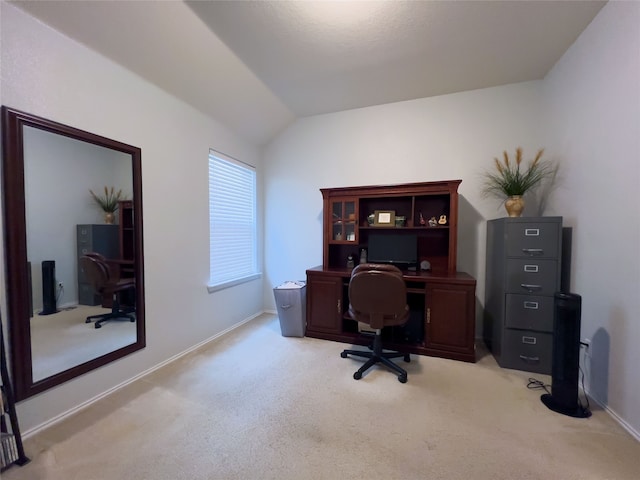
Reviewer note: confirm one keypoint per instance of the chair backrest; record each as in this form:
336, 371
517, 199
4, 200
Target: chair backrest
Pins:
96, 271
378, 295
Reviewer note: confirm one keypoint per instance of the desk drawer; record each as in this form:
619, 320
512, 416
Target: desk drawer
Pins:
527, 350
536, 277
529, 312
535, 239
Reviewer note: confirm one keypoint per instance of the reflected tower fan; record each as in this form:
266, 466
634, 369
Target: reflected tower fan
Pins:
48, 287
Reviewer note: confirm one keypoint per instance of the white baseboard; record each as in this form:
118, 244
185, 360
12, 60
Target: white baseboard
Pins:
58, 418
633, 432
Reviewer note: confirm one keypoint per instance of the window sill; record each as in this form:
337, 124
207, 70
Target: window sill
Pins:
232, 283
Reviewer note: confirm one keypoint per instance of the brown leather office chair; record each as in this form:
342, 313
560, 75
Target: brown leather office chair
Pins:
378, 297
107, 282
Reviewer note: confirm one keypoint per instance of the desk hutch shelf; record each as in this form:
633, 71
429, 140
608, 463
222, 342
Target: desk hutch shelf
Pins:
442, 300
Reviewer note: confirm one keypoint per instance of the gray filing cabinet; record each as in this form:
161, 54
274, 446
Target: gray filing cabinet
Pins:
522, 276
102, 239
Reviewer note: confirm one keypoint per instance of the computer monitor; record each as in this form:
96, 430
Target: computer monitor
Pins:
395, 249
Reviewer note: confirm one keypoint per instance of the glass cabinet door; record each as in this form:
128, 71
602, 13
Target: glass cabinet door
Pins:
344, 218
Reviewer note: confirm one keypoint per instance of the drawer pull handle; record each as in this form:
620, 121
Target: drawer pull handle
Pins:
531, 305
531, 232
531, 268
529, 340
531, 288
530, 359
533, 251
285, 307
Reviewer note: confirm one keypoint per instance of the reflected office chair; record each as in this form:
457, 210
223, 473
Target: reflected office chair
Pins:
106, 281
378, 297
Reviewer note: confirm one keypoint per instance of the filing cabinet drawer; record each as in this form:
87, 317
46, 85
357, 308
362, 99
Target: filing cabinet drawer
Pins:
535, 239
530, 312
536, 277
87, 295
527, 350
84, 234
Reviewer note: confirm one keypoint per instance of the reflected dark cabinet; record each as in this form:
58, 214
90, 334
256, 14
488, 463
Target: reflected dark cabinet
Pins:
101, 239
126, 235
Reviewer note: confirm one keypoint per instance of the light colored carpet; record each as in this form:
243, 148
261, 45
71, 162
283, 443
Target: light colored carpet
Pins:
63, 340
256, 405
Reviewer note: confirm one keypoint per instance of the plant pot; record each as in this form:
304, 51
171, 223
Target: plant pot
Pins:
109, 218
514, 205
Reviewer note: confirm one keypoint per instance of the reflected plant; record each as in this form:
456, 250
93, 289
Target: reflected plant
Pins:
108, 201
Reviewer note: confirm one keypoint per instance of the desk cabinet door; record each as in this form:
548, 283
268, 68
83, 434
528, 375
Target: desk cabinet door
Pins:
324, 304
449, 318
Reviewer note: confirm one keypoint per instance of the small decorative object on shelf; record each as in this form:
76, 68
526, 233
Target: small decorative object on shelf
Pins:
400, 221
350, 262
510, 182
442, 220
363, 256
384, 218
433, 222
339, 236
422, 220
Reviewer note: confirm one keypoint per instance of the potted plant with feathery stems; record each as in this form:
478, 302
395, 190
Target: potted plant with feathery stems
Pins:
511, 179
108, 202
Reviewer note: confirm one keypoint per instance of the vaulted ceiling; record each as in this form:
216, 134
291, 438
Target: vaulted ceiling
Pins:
257, 65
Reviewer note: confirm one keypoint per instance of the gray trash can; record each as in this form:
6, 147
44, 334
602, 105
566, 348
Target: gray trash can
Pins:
291, 302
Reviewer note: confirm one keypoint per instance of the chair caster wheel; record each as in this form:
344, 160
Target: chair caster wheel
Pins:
87, 321
98, 325
358, 376
402, 378
407, 358
343, 354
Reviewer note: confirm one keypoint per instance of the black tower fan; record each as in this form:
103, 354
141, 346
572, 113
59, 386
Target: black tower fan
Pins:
565, 362
48, 287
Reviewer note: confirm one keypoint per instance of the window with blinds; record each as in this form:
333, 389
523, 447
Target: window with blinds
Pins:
232, 222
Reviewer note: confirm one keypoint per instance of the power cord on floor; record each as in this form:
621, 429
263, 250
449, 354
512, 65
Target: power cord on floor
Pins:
586, 397
535, 384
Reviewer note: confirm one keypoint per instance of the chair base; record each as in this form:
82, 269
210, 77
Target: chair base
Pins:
378, 356
114, 314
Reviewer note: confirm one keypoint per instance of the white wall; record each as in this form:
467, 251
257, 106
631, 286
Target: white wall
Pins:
440, 138
587, 116
593, 97
49, 75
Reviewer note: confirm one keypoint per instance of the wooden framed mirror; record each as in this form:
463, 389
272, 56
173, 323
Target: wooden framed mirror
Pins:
50, 221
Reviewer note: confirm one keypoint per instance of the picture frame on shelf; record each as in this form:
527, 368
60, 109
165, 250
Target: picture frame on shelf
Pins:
384, 218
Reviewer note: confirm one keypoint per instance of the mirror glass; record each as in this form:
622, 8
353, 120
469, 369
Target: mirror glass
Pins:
52, 221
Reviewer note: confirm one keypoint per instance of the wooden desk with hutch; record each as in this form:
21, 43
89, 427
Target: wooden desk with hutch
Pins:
442, 300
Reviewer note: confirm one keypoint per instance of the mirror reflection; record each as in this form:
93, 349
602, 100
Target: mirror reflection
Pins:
75, 289
63, 223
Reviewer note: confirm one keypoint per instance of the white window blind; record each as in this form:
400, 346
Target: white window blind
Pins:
232, 222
